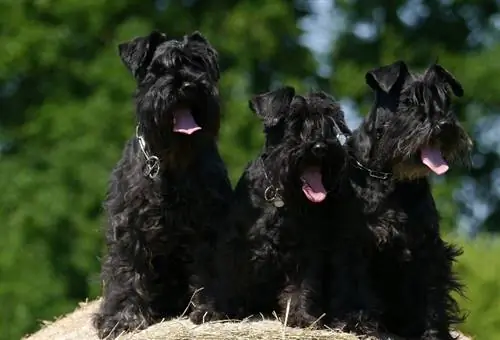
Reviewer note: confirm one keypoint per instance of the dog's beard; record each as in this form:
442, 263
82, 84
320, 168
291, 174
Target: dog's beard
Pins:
184, 122
430, 155
433, 159
173, 133
423, 154
286, 165
318, 180
421, 162
312, 184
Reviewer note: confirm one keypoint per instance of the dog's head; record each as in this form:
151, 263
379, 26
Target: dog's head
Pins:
177, 91
304, 141
412, 130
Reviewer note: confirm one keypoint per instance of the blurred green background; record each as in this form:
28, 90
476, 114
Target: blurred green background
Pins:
66, 110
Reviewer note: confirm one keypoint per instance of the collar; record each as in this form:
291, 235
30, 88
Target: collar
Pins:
152, 166
372, 173
272, 194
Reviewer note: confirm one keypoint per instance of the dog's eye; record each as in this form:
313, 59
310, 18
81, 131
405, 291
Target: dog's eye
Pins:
198, 64
408, 102
158, 68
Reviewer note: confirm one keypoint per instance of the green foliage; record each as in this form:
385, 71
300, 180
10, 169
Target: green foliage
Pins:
66, 110
478, 269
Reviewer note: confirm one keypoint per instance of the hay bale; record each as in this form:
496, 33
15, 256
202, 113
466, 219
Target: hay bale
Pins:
77, 326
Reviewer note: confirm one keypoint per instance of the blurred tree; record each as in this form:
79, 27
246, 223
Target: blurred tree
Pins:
462, 35
481, 276
66, 111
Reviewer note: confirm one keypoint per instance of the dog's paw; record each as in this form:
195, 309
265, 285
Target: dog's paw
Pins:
204, 314
111, 326
359, 323
302, 320
436, 335
337, 324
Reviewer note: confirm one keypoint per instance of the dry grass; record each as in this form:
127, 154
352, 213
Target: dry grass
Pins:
76, 326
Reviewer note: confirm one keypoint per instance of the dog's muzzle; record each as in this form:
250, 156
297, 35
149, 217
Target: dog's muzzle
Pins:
445, 127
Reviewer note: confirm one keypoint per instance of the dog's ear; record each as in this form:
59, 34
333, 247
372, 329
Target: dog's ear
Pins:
271, 106
137, 53
322, 95
197, 36
438, 74
385, 77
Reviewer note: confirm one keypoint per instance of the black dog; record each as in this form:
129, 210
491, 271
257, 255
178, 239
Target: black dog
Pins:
271, 258
410, 132
170, 188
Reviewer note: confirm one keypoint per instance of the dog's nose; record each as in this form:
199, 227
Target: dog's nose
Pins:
444, 125
319, 149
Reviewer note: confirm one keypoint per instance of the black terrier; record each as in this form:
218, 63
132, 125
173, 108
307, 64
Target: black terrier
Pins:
410, 132
271, 256
170, 188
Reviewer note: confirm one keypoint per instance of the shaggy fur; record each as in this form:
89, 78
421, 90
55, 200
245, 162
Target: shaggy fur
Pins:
411, 124
170, 188
272, 252
350, 301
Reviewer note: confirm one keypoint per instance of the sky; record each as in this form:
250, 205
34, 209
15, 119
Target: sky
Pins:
321, 28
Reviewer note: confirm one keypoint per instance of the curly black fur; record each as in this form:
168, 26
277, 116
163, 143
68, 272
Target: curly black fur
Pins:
270, 254
161, 227
350, 301
411, 266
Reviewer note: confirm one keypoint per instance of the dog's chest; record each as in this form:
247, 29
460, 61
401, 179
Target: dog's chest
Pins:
288, 234
184, 203
405, 221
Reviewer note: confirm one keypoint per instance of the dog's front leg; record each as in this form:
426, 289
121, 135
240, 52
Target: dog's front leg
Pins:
421, 304
128, 276
205, 288
225, 289
126, 304
442, 309
352, 304
299, 301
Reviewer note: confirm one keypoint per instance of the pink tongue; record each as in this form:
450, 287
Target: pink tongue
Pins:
184, 122
312, 185
434, 160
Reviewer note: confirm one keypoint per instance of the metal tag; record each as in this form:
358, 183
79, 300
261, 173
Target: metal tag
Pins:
271, 194
278, 202
152, 168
